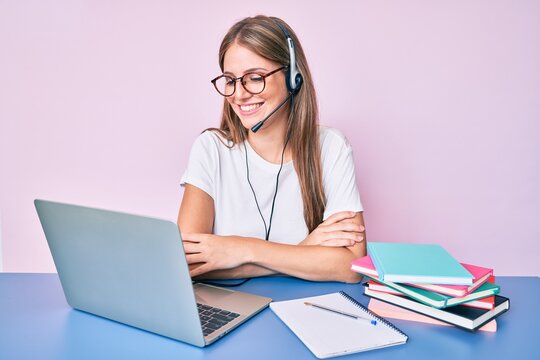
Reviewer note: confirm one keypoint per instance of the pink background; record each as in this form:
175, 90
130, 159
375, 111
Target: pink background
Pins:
101, 100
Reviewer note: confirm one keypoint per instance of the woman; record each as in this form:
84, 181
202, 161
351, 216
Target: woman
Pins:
256, 190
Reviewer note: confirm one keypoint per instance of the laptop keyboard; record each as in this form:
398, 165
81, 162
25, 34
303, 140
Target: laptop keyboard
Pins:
214, 318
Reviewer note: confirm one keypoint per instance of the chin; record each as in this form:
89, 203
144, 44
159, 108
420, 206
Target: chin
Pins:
249, 123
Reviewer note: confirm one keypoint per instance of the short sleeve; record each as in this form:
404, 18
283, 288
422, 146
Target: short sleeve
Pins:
202, 164
339, 176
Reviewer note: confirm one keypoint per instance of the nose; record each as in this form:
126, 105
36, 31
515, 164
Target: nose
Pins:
241, 93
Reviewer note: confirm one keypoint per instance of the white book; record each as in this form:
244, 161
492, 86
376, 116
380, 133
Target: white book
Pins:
327, 333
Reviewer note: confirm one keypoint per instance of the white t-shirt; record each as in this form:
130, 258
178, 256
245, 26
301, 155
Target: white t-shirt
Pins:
221, 172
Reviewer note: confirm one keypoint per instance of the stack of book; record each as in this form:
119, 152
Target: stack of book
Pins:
426, 279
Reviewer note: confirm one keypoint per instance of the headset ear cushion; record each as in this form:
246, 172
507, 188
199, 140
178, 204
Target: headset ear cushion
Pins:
299, 80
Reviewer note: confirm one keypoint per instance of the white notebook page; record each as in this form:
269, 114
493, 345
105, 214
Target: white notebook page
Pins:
328, 334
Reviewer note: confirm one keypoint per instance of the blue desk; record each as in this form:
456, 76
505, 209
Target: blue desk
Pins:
37, 323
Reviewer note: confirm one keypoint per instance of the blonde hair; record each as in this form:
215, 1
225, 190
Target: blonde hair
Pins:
263, 36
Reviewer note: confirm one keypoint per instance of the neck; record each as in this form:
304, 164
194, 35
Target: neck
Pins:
268, 142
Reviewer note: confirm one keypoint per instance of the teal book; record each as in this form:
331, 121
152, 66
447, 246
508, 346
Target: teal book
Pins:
434, 299
417, 263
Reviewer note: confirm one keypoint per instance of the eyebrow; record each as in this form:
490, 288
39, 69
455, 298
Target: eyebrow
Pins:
246, 71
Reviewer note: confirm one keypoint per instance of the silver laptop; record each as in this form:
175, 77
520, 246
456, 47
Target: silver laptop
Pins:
133, 269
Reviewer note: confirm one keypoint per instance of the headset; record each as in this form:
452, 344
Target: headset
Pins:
293, 81
293, 77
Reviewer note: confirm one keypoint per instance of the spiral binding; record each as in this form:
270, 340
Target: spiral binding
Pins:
366, 310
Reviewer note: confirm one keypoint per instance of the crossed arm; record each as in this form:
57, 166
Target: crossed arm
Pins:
326, 252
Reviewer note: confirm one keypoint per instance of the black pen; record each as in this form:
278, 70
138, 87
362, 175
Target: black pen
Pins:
353, 316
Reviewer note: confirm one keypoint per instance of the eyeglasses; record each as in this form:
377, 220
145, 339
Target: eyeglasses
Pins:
253, 82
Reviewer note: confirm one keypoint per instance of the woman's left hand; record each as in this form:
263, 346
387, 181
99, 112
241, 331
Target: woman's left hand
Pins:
342, 229
214, 252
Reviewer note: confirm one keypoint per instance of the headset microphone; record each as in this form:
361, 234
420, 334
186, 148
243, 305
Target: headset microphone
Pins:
258, 125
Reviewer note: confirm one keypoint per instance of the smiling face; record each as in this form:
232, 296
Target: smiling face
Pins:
251, 108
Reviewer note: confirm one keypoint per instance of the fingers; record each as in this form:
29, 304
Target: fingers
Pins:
353, 220
191, 247
353, 236
204, 268
345, 226
194, 266
194, 243
336, 238
339, 216
195, 258
347, 229
338, 242
193, 237
336, 232
344, 217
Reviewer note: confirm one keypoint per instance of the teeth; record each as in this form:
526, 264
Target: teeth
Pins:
249, 107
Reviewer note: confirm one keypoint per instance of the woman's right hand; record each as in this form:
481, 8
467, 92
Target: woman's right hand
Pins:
340, 229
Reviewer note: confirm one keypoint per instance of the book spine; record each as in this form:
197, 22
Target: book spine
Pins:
439, 304
376, 262
474, 296
364, 271
440, 289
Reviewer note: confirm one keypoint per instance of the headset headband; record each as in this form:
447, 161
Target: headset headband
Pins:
293, 77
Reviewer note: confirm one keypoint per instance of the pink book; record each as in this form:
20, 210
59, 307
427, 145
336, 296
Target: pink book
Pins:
364, 265
395, 312
487, 303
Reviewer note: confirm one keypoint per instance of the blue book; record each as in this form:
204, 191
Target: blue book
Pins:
417, 263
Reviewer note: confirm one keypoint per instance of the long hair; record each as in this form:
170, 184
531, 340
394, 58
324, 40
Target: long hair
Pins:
263, 36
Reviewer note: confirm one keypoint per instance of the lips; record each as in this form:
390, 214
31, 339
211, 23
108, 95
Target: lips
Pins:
249, 109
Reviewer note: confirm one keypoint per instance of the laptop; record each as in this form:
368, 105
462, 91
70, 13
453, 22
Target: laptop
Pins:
133, 269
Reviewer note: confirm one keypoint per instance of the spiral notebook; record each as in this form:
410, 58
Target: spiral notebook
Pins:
328, 334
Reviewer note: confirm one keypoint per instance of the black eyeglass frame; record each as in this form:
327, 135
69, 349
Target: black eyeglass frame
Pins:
241, 78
